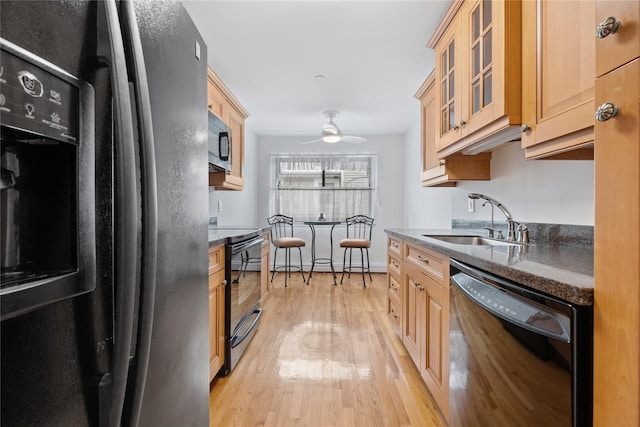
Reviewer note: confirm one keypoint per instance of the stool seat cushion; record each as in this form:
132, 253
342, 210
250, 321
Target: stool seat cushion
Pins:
355, 243
288, 242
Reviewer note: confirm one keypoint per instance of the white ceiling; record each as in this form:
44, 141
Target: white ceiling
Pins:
372, 54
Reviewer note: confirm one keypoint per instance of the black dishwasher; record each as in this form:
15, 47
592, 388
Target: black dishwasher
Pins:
518, 357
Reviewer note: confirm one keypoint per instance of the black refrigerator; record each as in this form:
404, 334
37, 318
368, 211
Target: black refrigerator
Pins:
104, 294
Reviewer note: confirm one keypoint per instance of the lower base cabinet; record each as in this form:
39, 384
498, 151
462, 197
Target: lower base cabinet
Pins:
394, 309
425, 316
394, 280
434, 347
217, 286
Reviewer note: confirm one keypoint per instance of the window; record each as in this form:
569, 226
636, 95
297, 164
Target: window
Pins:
337, 185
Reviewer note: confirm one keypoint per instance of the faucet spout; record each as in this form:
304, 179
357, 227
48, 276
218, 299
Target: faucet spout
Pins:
494, 202
511, 231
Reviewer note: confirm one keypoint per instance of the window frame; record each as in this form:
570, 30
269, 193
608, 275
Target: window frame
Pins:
335, 203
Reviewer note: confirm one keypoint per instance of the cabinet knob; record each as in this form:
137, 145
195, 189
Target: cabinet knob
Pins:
456, 127
607, 111
210, 106
426, 261
525, 128
441, 162
606, 27
463, 123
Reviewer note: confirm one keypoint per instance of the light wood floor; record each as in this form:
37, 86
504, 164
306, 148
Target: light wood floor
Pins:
324, 355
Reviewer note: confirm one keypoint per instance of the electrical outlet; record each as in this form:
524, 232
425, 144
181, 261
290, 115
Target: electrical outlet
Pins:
471, 205
219, 205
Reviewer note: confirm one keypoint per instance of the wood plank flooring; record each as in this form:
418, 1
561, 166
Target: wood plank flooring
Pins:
324, 355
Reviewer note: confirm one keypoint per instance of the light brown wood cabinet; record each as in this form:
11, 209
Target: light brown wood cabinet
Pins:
215, 98
226, 107
621, 46
217, 284
444, 172
412, 328
425, 314
558, 72
394, 280
478, 76
434, 348
617, 222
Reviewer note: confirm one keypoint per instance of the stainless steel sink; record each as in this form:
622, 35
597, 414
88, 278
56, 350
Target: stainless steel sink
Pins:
470, 240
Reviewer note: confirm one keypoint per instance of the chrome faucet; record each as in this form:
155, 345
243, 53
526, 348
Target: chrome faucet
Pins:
511, 224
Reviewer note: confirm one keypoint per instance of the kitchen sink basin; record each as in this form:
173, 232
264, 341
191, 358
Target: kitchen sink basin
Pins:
470, 240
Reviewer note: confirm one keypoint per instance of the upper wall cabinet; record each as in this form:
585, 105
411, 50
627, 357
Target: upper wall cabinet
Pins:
558, 72
478, 76
225, 106
444, 172
618, 34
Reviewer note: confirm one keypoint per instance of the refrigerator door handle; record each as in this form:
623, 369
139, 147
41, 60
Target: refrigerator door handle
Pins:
125, 212
138, 73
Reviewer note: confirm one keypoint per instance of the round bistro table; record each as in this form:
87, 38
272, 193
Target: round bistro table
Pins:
321, 260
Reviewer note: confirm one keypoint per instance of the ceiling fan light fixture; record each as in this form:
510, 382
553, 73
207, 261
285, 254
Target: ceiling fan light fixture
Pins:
331, 133
331, 138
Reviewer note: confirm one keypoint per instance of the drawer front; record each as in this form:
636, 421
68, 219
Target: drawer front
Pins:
216, 259
431, 263
394, 246
393, 265
394, 314
394, 287
216, 279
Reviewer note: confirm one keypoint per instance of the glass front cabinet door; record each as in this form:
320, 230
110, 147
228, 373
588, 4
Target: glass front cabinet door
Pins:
479, 74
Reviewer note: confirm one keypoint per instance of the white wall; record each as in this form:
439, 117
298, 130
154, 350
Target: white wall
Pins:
239, 207
428, 207
544, 191
390, 151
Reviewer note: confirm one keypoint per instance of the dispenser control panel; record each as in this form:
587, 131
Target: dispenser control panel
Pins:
36, 100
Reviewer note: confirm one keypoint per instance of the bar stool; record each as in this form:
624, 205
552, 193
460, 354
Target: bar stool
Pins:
282, 238
359, 229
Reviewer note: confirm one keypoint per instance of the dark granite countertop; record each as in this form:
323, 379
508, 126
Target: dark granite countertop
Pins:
219, 235
560, 270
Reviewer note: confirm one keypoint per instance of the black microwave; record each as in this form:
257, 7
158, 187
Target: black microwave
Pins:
219, 144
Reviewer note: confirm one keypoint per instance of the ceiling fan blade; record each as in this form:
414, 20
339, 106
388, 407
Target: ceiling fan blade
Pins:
353, 139
311, 142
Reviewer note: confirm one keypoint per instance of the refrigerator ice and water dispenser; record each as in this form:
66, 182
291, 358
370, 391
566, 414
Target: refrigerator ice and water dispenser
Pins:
47, 229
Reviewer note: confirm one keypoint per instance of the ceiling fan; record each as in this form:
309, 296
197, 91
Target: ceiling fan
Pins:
332, 134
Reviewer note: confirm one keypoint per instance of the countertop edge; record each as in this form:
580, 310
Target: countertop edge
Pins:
564, 284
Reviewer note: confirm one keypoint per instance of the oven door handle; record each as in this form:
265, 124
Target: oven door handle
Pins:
237, 339
241, 247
